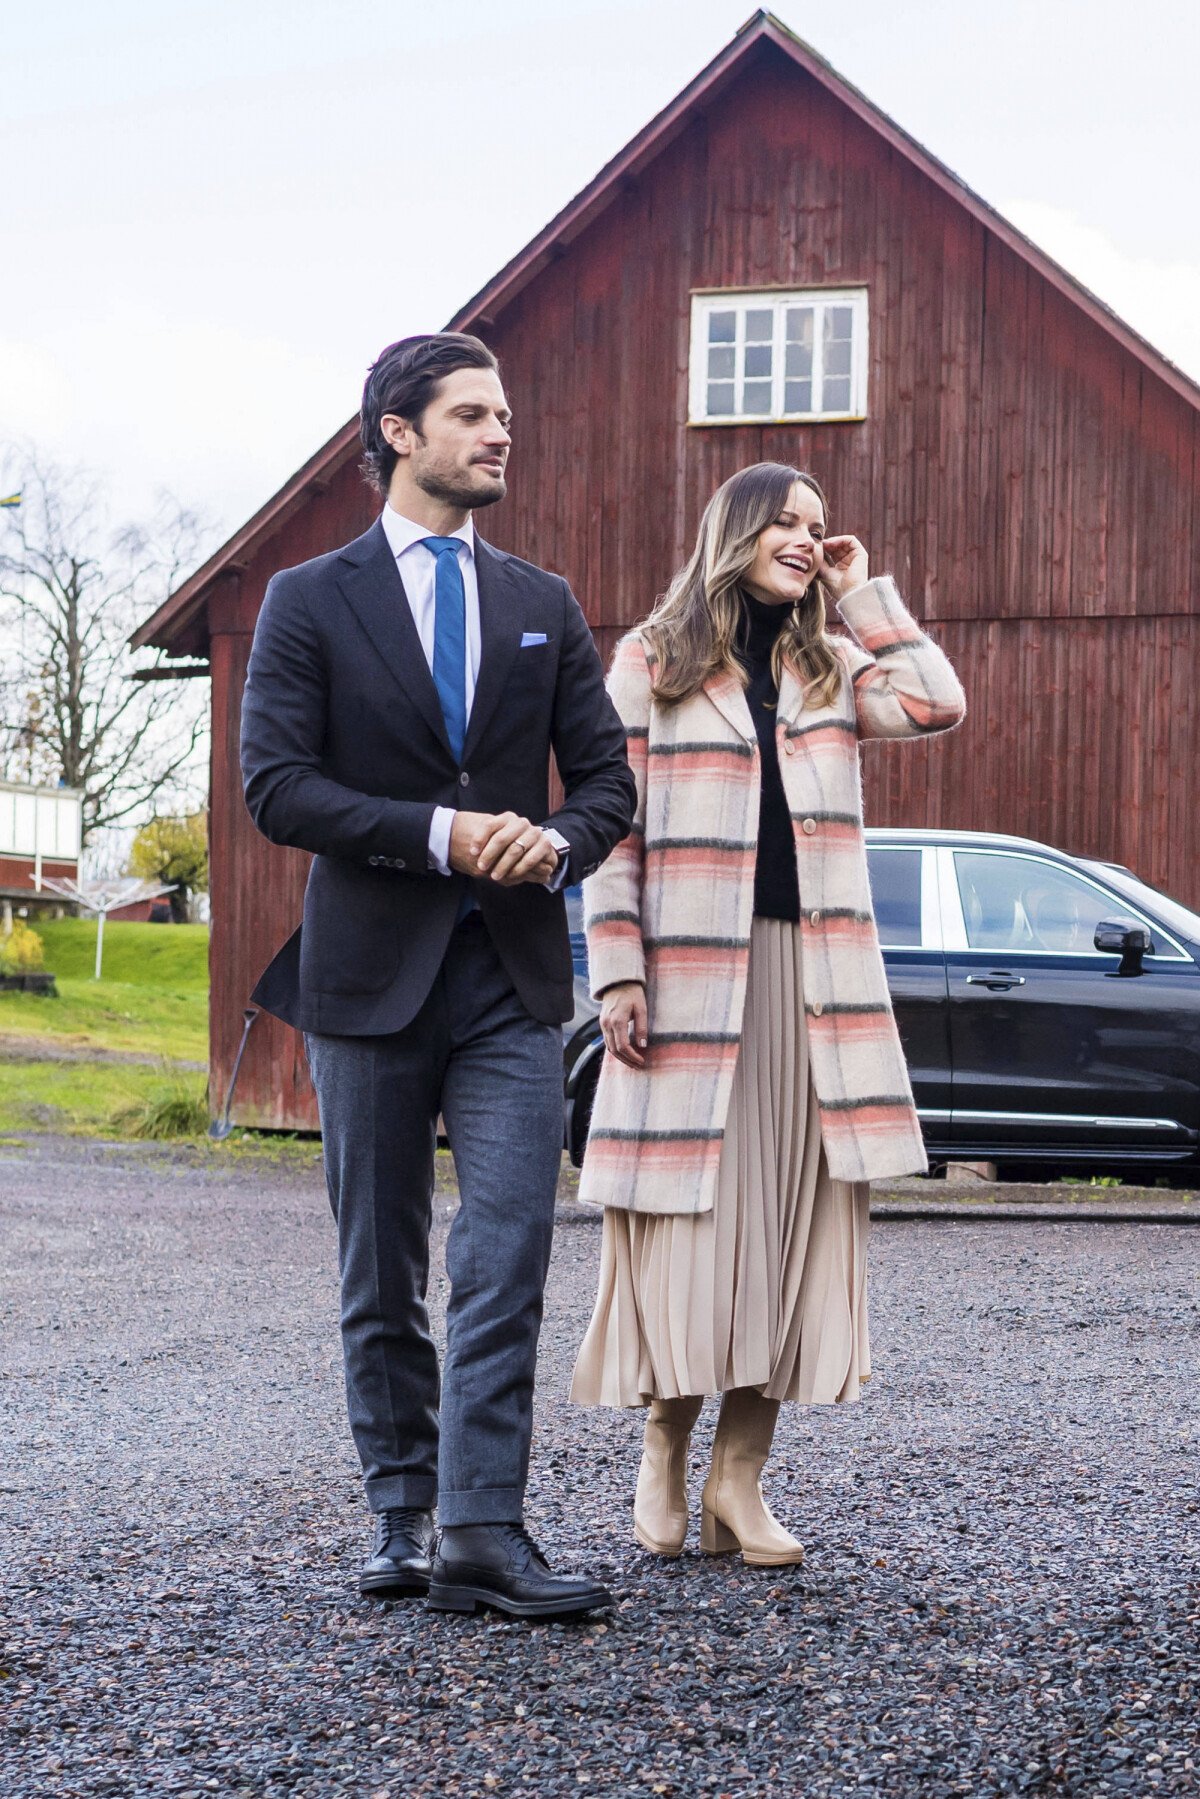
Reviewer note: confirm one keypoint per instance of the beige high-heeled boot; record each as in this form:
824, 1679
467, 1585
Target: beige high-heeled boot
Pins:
733, 1513
660, 1505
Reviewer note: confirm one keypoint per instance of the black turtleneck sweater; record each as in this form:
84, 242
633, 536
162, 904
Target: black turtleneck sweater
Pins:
776, 890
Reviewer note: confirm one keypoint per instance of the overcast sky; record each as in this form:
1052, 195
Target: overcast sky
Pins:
214, 214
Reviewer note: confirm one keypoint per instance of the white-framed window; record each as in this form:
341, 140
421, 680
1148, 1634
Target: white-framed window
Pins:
762, 357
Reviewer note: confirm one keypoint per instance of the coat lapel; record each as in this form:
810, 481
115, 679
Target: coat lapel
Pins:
374, 591
791, 696
500, 620
791, 700
728, 697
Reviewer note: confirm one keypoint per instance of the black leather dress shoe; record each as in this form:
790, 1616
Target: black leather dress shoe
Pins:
399, 1565
500, 1565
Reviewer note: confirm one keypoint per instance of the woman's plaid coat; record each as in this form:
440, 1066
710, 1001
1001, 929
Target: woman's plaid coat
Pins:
673, 904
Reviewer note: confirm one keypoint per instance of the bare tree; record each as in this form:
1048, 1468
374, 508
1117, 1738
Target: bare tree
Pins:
71, 591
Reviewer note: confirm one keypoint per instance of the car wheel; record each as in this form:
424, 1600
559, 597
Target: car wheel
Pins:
581, 1112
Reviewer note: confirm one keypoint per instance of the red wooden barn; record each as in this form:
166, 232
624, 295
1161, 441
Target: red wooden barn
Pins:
772, 268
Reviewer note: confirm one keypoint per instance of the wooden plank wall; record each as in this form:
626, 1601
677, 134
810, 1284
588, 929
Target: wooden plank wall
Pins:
1030, 483
257, 890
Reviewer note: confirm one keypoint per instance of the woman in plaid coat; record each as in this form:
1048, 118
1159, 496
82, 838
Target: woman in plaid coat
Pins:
755, 1082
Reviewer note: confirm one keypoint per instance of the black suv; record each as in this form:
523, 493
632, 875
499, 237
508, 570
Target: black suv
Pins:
1049, 1005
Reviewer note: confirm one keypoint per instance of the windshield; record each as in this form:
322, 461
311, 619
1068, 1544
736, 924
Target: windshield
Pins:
1173, 915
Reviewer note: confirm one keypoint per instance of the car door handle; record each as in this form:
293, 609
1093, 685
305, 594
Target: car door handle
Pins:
998, 982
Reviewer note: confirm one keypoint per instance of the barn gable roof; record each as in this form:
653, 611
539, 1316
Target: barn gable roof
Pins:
761, 33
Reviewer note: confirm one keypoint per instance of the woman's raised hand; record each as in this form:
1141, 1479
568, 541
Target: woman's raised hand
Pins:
624, 1022
845, 565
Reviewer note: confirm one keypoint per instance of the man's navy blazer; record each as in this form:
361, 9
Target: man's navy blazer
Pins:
345, 754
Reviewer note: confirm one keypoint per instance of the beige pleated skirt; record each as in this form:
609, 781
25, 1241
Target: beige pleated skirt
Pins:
767, 1290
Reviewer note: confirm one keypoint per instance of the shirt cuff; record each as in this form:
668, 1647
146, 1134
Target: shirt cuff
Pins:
439, 839
561, 875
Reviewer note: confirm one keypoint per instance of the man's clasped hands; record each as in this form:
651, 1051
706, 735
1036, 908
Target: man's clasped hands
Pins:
502, 847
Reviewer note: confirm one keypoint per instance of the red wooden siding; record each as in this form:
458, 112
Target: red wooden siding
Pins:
17, 872
1030, 481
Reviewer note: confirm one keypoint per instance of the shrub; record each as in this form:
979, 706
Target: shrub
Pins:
21, 950
173, 1110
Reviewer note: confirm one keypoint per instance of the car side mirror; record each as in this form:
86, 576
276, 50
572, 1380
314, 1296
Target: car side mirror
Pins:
1121, 937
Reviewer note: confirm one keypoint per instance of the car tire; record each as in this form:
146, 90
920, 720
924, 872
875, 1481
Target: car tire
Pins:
581, 1111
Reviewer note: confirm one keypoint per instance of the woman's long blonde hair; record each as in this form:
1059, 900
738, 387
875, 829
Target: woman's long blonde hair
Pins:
693, 628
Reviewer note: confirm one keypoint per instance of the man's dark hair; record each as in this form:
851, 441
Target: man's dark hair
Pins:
403, 379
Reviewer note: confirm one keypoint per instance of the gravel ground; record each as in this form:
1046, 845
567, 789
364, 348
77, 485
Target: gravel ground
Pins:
1002, 1593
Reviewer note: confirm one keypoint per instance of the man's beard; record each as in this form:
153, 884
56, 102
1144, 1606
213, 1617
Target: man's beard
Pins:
451, 487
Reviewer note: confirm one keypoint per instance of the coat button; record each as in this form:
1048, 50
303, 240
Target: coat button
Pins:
809, 826
464, 780
398, 863
789, 748
373, 861
814, 918
817, 1008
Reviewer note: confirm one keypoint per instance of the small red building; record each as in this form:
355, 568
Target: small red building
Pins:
772, 268
39, 840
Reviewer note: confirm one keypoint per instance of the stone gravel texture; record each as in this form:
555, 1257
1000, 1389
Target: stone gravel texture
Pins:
1002, 1592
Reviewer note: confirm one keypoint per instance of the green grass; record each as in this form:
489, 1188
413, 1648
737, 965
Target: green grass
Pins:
111, 1100
152, 1001
81, 1097
174, 957
118, 1015
171, 1110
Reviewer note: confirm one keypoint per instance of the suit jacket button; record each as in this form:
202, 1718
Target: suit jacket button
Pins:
809, 826
399, 862
373, 861
464, 780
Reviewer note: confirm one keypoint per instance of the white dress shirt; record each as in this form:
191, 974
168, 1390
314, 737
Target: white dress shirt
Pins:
418, 567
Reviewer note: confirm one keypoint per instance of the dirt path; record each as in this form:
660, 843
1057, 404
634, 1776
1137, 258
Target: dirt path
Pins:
16, 1047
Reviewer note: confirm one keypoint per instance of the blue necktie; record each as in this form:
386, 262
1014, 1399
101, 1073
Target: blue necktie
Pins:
450, 638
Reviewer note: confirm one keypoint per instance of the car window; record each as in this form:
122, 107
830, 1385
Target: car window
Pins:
896, 894
1023, 903
1159, 905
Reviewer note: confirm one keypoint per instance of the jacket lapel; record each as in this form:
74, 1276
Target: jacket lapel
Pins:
374, 591
791, 700
727, 695
791, 696
500, 620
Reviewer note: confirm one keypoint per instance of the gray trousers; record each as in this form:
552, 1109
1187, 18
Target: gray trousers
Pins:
476, 1055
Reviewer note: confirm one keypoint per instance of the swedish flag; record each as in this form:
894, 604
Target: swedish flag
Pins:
10, 499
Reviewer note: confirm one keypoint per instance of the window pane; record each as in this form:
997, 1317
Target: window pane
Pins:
1178, 917
756, 396
896, 894
758, 360
798, 361
837, 358
722, 327
1021, 903
797, 396
720, 398
839, 323
720, 362
800, 325
835, 394
760, 326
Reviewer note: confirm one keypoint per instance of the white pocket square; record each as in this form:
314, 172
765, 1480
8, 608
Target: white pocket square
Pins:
529, 638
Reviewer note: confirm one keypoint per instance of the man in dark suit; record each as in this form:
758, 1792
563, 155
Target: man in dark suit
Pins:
402, 701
